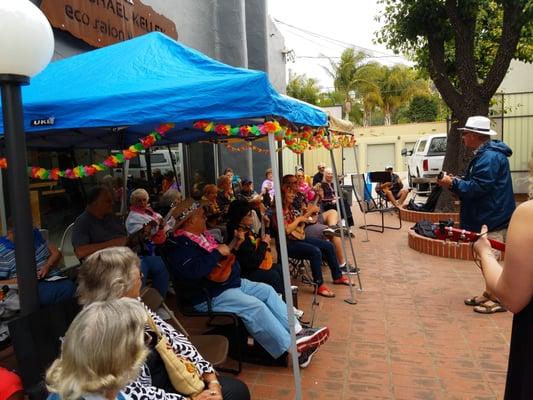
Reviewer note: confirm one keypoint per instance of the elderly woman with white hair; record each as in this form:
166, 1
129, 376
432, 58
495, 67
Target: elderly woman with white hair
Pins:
151, 230
329, 201
103, 349
114, 273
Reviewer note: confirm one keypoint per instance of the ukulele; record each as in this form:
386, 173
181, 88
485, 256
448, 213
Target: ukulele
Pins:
444, 232
299, 232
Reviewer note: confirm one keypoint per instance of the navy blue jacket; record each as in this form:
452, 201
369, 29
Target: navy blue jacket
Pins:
192, 263
486, 192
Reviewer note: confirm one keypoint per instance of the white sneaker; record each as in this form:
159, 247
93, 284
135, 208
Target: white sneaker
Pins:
298, 313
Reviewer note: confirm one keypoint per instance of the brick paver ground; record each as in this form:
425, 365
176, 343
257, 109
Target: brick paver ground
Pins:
409, 337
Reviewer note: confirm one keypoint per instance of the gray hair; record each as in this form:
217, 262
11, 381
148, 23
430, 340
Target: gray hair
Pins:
171, 196
107, 274
102, 350
326, 171
138, 194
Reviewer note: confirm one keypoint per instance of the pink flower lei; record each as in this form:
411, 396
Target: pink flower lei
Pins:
209, 245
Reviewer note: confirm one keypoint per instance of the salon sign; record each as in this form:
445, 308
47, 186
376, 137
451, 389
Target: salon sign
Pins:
104, 22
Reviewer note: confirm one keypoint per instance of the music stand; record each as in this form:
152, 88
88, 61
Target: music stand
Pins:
380, 176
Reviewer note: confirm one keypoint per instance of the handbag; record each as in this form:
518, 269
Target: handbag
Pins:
182, 373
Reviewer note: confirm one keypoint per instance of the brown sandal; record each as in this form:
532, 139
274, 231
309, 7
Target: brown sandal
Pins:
478, 300
489, 307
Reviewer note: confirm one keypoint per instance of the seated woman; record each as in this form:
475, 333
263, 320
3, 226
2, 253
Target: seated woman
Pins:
152, 230
101, 352
51, 286
114, 273
212, 211
310, 248
329, 201
253, 253
319, 229
225, 195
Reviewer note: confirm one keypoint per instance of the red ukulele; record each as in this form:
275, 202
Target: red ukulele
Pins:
444, 232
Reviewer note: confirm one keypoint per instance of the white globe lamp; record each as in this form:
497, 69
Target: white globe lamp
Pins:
26, 47
26, 38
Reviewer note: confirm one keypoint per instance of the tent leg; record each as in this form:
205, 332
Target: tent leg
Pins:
340, 204
124, 199
285, 267
357, 172
173, 162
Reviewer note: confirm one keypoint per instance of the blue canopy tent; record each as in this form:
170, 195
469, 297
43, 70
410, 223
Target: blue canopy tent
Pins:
110, 97
80, 101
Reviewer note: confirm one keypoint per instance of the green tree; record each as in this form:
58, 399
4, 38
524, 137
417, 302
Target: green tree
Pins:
398, 87
422, 109
465, 47
303, 88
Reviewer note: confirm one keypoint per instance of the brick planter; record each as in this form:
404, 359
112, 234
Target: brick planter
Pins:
415, 216
439, 248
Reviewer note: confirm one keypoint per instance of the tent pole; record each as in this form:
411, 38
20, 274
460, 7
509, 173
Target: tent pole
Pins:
285, 266
364, 183
340, 205
173, 163
124, 199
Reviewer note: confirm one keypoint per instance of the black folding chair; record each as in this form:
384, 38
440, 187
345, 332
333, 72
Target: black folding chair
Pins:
369, 204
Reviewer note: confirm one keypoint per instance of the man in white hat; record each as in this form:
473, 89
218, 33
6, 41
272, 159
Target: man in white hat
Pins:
486, 192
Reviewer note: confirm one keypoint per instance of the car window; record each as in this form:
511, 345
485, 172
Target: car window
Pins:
421, 146
437, 146
158, 158
135, 162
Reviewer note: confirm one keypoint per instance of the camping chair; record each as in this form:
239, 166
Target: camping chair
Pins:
214, 348
69, 260
37, 341
369, 204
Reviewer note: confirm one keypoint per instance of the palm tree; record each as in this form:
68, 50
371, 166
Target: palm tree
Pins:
398, 87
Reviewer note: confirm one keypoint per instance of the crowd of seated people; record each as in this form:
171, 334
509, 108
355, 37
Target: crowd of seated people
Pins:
237, 270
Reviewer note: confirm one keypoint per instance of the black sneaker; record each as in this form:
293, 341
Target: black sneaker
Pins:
311, 337
346, 232
328, 232
304, 359
349, 269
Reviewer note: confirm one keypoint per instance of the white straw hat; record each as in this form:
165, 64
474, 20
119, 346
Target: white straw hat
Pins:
478, 124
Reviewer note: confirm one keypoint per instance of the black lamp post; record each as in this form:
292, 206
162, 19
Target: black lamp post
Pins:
26, 47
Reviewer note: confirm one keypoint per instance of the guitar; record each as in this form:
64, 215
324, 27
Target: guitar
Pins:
299, 232
444, 232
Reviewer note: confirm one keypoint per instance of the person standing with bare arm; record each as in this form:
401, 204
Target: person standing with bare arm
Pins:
512, 283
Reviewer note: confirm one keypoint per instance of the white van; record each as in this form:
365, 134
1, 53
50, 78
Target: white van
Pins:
160, 159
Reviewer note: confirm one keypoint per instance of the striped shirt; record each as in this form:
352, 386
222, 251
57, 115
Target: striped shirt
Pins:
8, 268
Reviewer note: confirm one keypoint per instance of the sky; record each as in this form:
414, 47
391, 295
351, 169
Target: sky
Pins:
351, 22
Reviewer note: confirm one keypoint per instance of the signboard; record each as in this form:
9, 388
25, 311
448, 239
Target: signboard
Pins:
104, 22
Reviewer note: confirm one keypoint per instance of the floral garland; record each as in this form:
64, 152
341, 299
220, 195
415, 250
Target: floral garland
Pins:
306, 138
112, 161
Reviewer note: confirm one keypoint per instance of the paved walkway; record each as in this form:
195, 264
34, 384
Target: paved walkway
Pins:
409, 337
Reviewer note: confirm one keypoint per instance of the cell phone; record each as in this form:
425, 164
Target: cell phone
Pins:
440, 175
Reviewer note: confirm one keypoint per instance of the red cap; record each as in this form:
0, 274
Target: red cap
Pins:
9, 384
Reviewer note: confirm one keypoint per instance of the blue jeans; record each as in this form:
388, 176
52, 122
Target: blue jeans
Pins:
314, 249
154, 268
261, 309
55, 292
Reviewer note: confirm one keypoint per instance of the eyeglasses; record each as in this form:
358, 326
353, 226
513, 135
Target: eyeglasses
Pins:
291, 182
